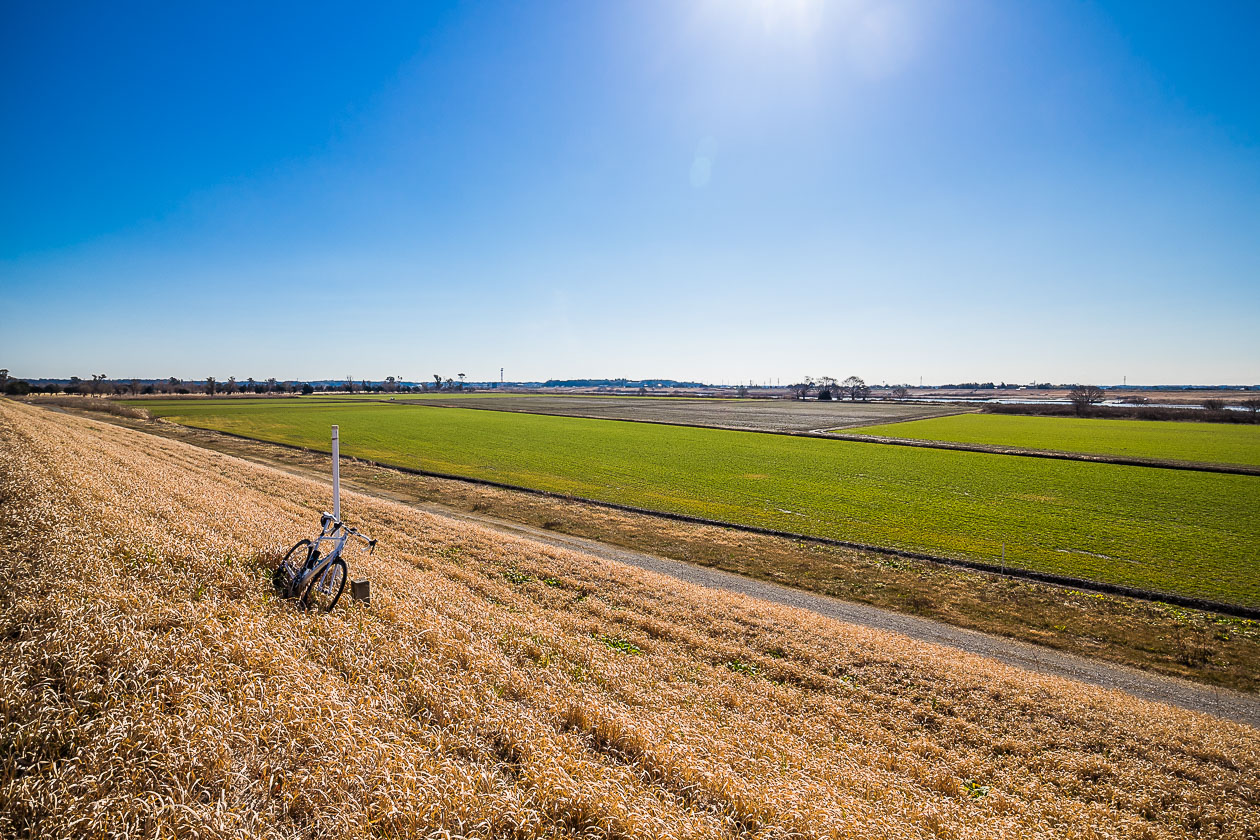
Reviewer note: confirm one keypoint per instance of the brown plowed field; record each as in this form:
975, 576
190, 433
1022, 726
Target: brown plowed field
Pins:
751, 415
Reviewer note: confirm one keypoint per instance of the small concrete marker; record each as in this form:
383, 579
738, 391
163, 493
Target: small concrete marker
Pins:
361, 590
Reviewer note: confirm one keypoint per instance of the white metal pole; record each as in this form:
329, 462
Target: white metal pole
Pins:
336, 455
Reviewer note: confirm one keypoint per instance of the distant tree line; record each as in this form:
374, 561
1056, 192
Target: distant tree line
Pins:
99, 385
620, 383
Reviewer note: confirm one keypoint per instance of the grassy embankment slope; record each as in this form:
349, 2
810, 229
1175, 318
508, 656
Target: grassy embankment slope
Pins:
1199, 646
1211, 443
151, 685
1184, 532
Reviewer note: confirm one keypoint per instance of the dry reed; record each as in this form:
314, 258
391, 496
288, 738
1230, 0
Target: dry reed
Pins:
150, 685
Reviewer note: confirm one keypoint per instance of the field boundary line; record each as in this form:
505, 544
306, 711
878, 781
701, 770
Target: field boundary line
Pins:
1233, 610
854, 437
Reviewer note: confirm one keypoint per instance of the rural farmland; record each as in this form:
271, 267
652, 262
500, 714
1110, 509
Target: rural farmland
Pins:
1183, 532
621, 420
499, 686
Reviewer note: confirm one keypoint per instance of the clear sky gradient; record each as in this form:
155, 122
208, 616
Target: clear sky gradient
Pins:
722, 190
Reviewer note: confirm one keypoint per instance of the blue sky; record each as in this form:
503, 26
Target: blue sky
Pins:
722, 190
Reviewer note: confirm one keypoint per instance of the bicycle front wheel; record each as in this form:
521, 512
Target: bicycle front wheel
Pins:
291, 567
324, 591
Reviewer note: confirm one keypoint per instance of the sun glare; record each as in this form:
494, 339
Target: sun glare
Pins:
876, 37
794, 18
797, 16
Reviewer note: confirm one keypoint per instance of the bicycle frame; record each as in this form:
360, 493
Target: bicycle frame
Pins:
334, 531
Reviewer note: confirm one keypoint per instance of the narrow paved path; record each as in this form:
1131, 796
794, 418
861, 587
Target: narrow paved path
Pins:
1223, 703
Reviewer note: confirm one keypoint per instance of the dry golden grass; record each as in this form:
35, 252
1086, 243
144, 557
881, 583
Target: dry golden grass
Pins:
98, 405
1194, 645
151, 685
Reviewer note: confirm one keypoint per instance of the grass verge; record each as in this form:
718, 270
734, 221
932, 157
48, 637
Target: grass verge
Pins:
94, 405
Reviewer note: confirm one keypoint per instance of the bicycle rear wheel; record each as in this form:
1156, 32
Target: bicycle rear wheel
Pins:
325, 590
290, 568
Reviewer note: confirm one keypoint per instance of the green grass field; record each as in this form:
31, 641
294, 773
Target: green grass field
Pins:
1186, 532
1215, 443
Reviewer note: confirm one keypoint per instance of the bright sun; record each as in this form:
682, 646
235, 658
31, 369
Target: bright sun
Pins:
801, 16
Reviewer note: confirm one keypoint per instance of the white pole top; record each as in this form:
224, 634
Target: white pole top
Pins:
336, 459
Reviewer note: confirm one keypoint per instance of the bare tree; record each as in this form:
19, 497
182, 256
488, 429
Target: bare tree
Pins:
271, 384
250, 383
210, 383
855, 388
437, 382
231, 385
1083, 396
1252, 404
900, 392
801, 389
4, 378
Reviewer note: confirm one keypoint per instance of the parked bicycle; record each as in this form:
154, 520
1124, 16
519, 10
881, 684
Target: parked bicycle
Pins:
314, 578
